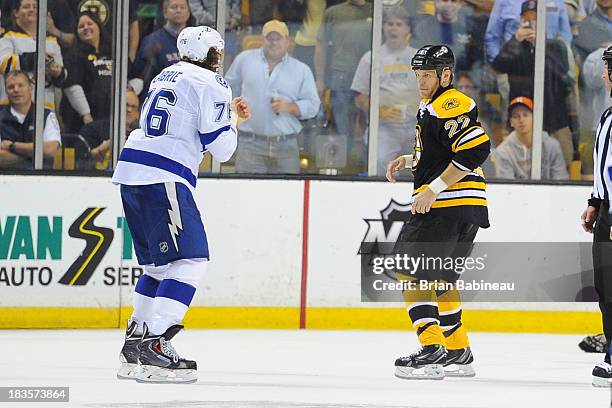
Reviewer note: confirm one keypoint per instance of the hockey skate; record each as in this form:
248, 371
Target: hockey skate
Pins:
160, 363
593, 344
602, 375
459, 363
427, 363
129, 353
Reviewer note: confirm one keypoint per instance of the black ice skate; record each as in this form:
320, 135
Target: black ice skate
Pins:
602, 375
427, 363
160, 363
459, 363
129, 353
593, 344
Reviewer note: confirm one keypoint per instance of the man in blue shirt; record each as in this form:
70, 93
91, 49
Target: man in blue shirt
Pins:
505, 20
158, 49
281, 91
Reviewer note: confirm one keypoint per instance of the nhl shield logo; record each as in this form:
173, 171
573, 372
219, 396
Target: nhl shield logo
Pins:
163, 247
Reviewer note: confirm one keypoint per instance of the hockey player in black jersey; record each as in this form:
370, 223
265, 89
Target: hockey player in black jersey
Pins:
449, 205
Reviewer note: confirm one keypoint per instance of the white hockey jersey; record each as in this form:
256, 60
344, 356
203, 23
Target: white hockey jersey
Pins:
186, 113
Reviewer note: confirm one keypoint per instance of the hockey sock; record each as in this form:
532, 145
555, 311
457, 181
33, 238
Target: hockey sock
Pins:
175, 293
423, 311
144, 297
449, 305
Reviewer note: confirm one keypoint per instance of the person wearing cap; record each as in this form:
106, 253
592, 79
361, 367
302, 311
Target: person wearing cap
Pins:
188, 112
597, 220
505, 21
512, 157
517, 59
280, 91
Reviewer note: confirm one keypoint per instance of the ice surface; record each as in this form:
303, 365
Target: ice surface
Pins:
304, 369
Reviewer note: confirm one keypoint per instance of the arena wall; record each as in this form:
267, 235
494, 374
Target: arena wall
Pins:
284, 254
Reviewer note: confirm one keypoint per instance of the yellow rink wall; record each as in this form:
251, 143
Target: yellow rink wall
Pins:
284, 254
521, 321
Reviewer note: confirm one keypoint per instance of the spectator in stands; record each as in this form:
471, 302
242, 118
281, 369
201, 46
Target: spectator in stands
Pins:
343, 38
205, 13
595, 30
90, 76
512, 157
399, 90
158, 49
591, 76
17, 125
505, 22
98, 134
306, 36
575, 13
18, 51
517, 59
281, 91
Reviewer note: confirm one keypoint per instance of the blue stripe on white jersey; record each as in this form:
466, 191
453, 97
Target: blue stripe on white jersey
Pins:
185, 114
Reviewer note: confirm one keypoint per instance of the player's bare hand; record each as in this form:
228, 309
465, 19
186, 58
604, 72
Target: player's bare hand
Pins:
241, 108
423, 202
587, 219
394, 166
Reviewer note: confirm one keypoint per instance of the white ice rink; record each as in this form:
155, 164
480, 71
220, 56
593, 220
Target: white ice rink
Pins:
303, 369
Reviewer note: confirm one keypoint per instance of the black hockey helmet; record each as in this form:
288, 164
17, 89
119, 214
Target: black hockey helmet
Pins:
435, 57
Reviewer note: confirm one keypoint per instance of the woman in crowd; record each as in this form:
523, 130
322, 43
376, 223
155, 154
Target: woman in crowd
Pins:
90, 77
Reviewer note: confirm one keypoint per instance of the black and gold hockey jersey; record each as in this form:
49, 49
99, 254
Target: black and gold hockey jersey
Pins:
447, 132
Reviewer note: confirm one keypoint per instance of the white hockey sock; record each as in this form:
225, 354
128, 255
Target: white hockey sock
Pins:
144, 294
175, 293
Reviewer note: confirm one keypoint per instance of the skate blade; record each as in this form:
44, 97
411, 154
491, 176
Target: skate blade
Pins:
428, 372
601, 382
127, 371
160, 375
459, 370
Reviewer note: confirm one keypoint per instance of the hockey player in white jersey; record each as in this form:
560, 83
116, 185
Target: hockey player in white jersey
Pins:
187, 112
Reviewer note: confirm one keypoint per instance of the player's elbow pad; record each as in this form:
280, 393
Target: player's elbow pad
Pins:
474, 157
224, 147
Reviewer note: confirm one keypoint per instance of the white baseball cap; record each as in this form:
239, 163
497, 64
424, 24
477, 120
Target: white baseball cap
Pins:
193, 43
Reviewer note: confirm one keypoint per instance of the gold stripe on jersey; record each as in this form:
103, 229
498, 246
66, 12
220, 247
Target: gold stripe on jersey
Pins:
9, 63
457, 202
473, 143
451, 104
18, 34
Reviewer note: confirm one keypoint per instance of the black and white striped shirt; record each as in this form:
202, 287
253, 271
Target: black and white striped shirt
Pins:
602, 156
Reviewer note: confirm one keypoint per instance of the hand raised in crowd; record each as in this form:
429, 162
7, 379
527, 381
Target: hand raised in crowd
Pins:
526, 33
394, 166
51, 28
587, 219
54, 69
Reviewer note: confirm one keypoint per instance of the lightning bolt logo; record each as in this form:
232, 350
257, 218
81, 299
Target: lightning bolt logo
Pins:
174, 213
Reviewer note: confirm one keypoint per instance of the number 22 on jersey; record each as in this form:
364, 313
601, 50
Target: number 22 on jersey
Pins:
156, 113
